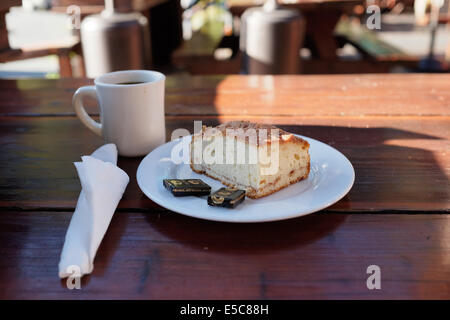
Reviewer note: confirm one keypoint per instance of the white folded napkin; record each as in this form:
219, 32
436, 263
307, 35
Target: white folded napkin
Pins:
103, 184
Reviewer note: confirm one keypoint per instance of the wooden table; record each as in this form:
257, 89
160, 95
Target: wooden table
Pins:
393, 128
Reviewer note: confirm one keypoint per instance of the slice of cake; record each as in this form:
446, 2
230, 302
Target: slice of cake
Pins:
260, 159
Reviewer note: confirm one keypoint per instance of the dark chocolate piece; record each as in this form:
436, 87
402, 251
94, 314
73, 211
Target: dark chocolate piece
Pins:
187, 187
226, 197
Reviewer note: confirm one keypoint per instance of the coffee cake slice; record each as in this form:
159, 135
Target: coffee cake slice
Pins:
260, 159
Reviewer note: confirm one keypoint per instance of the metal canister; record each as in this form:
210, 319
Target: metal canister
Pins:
271, 39
114, 41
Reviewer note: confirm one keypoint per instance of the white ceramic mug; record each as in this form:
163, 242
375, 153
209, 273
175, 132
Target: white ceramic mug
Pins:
131, 115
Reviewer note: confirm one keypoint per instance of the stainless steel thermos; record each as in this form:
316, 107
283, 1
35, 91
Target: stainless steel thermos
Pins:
114, 41
271, 39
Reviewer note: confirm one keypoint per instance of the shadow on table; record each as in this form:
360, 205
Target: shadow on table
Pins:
106, 251
388, 176
394, 170
249, 238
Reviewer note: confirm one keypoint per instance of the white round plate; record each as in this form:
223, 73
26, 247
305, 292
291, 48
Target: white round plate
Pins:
330, 179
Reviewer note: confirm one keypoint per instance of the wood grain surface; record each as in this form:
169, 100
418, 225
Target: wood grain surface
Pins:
161, 255
393, 128
303, 96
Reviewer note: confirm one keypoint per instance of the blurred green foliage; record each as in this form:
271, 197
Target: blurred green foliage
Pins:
209, 18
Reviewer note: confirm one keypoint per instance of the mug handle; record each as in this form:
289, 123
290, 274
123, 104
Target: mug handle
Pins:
77, 102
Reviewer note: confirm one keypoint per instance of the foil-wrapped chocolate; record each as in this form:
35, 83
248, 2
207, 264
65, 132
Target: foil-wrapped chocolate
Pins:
187, 187
226, 197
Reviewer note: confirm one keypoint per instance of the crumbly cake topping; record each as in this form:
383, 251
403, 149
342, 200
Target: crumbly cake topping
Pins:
243, 128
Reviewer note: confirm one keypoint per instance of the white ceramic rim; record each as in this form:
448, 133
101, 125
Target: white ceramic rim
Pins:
111, 79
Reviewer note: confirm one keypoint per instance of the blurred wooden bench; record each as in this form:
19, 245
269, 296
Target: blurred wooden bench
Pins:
370, 46
63, 54
8, 54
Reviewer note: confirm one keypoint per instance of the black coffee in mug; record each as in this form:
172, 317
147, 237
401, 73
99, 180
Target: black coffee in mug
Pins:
130, 83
